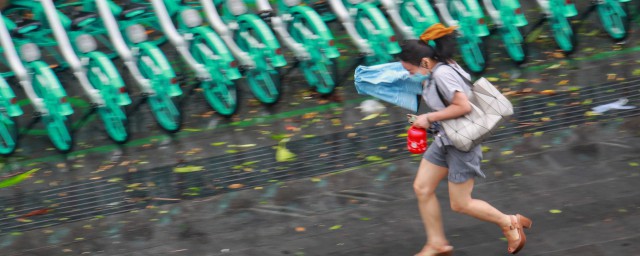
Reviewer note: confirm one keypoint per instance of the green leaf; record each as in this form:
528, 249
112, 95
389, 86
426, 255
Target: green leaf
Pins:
555, 211
493, 79
373, 158
365, 219
17, 179
217, 144
336, 227
634, 164
187, 169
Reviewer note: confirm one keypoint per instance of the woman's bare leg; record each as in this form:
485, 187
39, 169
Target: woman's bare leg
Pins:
461, 201
428, 177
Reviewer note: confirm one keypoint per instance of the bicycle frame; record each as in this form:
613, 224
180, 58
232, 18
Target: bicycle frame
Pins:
302, 30
509, 18
471, 26
368, 28
40, 84
558, 13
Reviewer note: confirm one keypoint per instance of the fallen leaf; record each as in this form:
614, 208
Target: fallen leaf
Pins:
17, 179
301, 229
493, 79
217, 144
36, 212
507, 152
563, 82
633, 164
242, 146
282, 153
555, 211
187, 169
369, 117
548, 92
335, 227
235, 186
373, 158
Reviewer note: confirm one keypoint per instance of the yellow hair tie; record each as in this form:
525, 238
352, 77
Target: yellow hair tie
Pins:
436, 31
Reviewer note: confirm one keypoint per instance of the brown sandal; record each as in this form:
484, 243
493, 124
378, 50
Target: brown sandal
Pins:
518, 222
433, 251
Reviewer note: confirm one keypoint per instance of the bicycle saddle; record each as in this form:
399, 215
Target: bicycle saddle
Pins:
24, 26
131, 10
80, 18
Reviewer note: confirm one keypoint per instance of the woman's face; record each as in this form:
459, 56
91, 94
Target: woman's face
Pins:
413, 69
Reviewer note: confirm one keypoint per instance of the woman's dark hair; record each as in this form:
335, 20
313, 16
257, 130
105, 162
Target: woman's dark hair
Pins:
445, 47
414, 50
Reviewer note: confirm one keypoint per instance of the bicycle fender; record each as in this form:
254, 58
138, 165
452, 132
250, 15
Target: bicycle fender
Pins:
6, 93
115, 78
42, 68
265, 35
160, 59
317, 26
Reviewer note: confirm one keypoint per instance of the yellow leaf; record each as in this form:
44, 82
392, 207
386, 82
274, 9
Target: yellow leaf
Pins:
563, 82
493, 79
555, 211
369, 117
236, 186
335, 227
507, 152
283, 154
189, 168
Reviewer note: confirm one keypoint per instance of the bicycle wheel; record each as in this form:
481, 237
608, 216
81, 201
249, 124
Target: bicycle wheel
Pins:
112, 114
615, 19
57, 125
221, 94
563, 34
318, 76
474, 54
514, 44
8, 134
265, 85
163, 108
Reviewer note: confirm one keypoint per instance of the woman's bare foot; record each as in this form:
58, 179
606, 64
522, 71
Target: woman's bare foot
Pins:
431, 250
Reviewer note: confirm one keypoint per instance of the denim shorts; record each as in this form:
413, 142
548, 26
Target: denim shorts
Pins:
462, 165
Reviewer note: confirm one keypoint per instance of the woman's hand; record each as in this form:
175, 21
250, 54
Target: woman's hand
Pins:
422, 121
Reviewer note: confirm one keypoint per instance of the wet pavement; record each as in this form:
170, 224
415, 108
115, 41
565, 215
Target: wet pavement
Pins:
217, 188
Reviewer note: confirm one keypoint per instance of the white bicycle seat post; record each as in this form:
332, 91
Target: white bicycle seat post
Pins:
215, 21
340, 10
18, 68
493, 12
178, 41
391, 7
444, 12
68, 53
120, 46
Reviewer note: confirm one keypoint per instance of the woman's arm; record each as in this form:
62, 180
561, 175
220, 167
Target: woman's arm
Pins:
459, 106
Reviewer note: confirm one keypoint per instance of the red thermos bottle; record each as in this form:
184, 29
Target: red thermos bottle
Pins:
416, 140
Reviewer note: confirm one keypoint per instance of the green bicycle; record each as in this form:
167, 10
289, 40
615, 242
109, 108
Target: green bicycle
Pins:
614, 15
419, 15
146, 63
302, 30
469, 17
203, 51
369, 30
94, 70
252, 43
39, 82
508, 17
9, 110
558, 13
